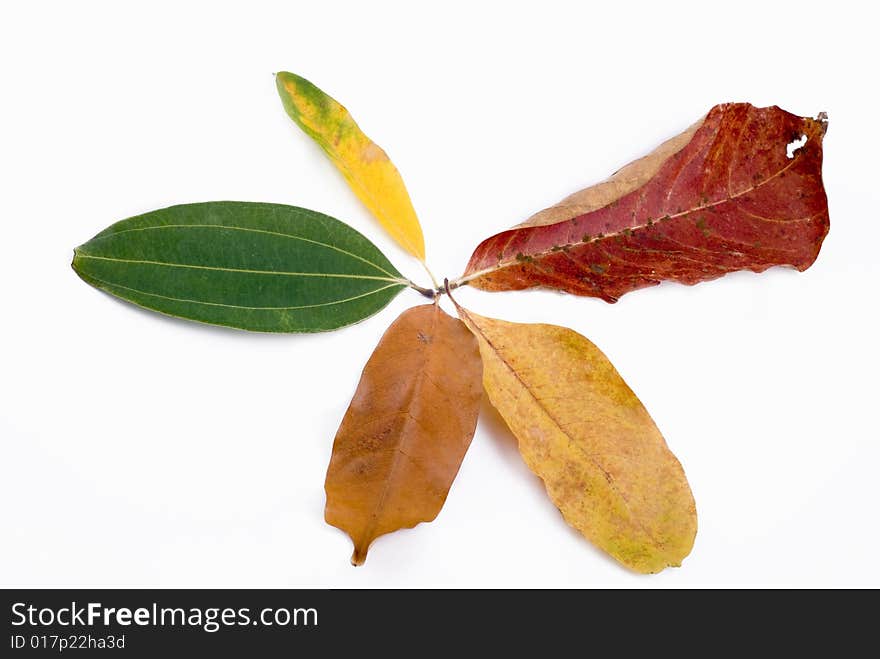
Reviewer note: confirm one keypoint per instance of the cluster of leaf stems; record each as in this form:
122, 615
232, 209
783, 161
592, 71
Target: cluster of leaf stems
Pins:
438, 290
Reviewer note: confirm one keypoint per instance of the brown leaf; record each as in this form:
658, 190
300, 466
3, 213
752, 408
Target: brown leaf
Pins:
407, 429
730, 193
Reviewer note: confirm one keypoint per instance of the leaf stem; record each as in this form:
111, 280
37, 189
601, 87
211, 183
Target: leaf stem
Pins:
447, 288
427, 292
431, 275
463, 280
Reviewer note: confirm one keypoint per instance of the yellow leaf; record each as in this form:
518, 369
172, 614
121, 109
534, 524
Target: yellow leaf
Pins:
366, 167
583, 431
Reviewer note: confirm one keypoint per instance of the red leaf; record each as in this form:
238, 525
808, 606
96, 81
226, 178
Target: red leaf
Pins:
727, 194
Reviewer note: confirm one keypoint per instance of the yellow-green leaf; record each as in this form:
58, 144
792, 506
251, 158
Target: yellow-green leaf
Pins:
366, 167
583, 431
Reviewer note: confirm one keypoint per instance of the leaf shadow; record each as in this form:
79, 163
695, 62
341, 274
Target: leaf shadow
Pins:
505, 444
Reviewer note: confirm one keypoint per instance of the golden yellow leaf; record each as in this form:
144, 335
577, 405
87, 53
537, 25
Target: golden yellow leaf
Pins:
365, 166
583, 431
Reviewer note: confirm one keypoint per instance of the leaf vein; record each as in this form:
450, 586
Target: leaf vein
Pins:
243, 270
247, 229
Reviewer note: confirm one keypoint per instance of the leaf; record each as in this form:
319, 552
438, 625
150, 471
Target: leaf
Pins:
260, 267
722, 196
583, 431
407, 429
366, 167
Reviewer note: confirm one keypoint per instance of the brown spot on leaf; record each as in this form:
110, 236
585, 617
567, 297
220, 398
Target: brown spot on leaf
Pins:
373, 152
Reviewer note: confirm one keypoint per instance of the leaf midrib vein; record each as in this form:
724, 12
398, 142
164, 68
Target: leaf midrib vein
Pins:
248, 229
607, 476
427, 353
538, 255
242, 270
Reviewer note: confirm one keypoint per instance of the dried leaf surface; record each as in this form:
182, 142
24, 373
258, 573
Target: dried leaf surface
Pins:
407, 429
583, 431
730, 193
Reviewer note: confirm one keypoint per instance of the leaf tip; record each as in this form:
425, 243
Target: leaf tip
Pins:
294, 88
282, 76
74, 262
359, 556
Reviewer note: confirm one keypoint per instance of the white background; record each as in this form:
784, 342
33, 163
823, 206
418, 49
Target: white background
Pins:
141, 450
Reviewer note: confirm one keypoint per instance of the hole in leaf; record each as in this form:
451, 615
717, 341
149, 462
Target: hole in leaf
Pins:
794, 145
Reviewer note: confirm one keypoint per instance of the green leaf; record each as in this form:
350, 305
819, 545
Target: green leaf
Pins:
253, 266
